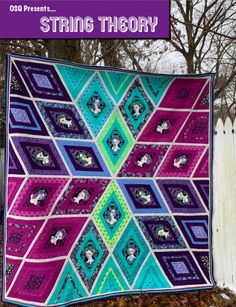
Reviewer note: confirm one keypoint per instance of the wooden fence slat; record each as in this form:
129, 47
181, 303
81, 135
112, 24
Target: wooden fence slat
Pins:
217, 223
229, 187
224, 217
233, 212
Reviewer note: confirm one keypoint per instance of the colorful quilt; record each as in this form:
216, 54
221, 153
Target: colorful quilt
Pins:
108, 182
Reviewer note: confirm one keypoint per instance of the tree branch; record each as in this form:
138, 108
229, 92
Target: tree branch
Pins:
106, 53
131, 55
207, 29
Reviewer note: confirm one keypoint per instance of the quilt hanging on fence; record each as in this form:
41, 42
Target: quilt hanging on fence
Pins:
107, 182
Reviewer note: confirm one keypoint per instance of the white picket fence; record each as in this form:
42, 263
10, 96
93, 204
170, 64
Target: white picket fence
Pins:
224, 213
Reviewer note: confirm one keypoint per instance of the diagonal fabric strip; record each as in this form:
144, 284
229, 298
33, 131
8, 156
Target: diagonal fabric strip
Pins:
108, 182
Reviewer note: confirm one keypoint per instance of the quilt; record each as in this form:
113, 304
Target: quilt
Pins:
108, 182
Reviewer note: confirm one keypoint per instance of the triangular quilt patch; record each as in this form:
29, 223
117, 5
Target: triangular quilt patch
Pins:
155, 86
151, 276
75, 78
68, 287
110, 280
116, 83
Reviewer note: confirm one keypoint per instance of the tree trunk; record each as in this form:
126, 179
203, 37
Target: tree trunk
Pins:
109, 53
190, 63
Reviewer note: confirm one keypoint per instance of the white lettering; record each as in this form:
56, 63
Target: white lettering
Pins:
45, 27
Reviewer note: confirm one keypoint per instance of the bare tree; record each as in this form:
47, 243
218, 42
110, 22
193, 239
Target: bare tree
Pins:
203, 31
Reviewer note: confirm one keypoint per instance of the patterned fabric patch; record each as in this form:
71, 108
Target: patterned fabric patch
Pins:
42, 80
203, 101
40, 156
108, 183
37, 196
193, 130
74, 78
116, 83
57, 237
89, 254
25, 118
156, 86
195, 230
63, 120
180, 268
136, 108
203, 189
202, 170
35, 281
161, 232
83, 158
115, 141
95, 104
110, 280
180, 196
142, 196
20, 234
143, 161
182, 93
180, 161
13, 186
14, 165
16, 83
111, 214
130, 251
69, 288
151, 277
81, 196
163, 126
11, 268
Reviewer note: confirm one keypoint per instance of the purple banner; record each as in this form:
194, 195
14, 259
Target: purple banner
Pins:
85, 19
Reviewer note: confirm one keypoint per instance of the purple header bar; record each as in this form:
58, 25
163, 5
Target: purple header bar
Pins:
65, 1
85, 19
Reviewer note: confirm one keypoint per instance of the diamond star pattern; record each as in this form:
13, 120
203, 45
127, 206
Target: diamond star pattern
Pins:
111, 214
108, 183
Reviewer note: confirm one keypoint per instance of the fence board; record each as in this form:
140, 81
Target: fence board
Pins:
224, 217
228, 201
233, 239
217, 230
